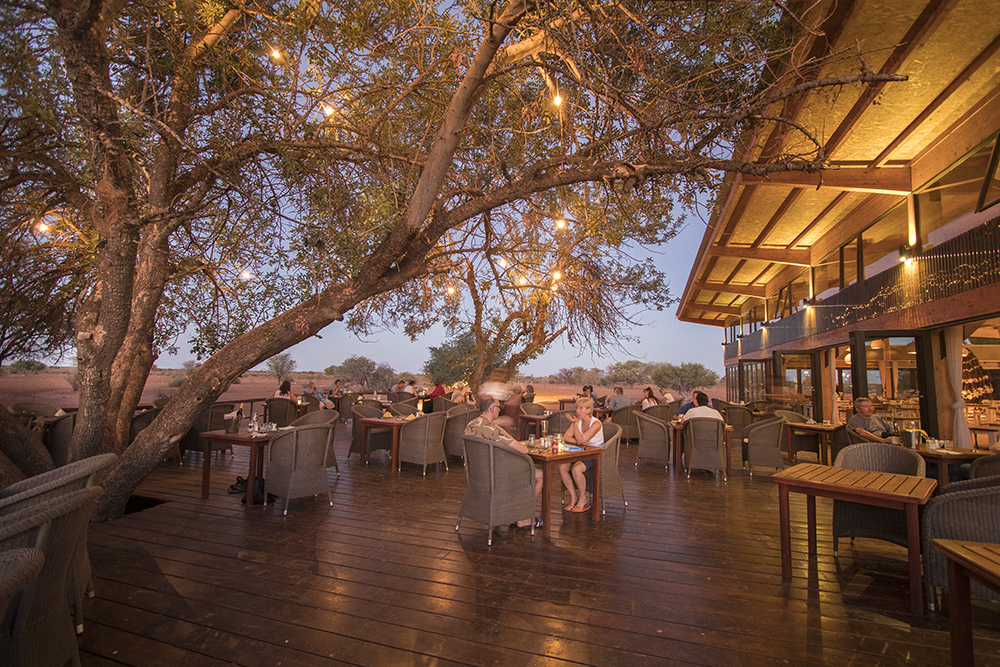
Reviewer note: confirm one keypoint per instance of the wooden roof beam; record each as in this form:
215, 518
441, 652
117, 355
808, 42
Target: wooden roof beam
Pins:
882, 180
798, 256
756, 291
710, 308
701, 320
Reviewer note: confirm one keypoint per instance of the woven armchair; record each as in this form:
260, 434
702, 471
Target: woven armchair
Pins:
625, 417
421, 441
282, 411
18, 568
654, 439
58, 436
856, 520
801, 442
968, 511
312, 403
705, 445
986, 466
739, 418
35, 490
45, 633
442, 404
378, 438
559, 421
454, 428
210, 419
663, 411
370, 403
500, 485
611, 479
404, 409
532, 409
762, 444
296, 463
317, 418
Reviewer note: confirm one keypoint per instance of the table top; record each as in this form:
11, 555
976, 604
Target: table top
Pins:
242, 437
979, 558
862, 483
956, 453
816, 428
989, 428
549, 455
384, 421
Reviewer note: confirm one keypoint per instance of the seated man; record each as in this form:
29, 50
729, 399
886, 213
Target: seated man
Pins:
866, 424
681, 411
483, 427
311, 390
618, 400
701, 408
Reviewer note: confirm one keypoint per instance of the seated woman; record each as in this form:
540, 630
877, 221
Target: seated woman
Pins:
586, 429
648, 398
285, 391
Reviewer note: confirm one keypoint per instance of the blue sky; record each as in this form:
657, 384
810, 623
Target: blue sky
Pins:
662, 338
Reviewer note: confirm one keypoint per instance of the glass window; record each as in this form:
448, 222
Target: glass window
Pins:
953, 195
993, 180
826, 276
849, 261
800, 291
882, 240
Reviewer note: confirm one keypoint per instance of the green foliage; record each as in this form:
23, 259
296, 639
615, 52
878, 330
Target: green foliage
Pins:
281, 366
685, 377
360, 370
25, 366
455, 360
580, 375
630, 373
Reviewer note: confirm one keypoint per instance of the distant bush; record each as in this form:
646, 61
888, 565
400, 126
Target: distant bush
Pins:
25, 366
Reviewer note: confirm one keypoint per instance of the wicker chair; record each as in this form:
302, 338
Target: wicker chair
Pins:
531, 409
370, 403
443, 404
321, 418
625, 417
454, 428
559, 421
297, 462
32, 491
611, 479
663, 411
986, 466
211, 419
18, 568
762, 444
347, 401
404, 409
654, 439
35, 408
801, 442
500, 485
421, 441
58, 436
739, 418
969, 511
705, 445
409, 403
282, 411
856, 520
55, 527
312, 403
378, 438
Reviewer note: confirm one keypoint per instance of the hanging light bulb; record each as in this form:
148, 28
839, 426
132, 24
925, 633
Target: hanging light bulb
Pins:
560, 223
522, 281
502, 262
557, 100
556, 275
451, 289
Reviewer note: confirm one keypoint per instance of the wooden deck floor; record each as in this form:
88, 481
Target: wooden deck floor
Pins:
690, 573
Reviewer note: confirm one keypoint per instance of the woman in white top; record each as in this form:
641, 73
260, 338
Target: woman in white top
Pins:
285, 391
648, 399
585, 430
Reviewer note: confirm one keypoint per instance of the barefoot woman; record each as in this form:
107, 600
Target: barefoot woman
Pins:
585, 430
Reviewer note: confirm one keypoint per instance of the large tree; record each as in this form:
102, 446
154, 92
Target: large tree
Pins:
258, 170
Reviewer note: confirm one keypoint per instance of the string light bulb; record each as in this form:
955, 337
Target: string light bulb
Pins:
451, 289
560, 223
557, 100
42, 227
556, 275
522, 281
502, 262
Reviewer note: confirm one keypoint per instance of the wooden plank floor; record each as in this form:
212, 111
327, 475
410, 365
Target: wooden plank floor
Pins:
689, 573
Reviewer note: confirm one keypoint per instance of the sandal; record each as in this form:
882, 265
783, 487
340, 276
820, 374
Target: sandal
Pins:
579, 509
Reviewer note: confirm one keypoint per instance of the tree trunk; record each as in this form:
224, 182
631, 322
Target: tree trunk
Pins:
22, 447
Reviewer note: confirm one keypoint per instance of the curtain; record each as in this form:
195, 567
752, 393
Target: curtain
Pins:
831, 384
954, 338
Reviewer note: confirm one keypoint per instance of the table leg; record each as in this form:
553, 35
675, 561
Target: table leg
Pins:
364, 443
824, 452
786, 532
811, 522
251, 475
791, 454
206, 468
521, 426
959, 616
596, 497
729, 451
942, 465
395, 447
546, 498
913, 552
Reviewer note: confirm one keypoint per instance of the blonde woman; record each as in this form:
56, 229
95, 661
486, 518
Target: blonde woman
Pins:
586, 429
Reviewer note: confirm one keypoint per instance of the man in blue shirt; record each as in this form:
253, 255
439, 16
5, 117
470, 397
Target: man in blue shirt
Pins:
687, 406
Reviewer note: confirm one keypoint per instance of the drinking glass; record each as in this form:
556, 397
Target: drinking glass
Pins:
545, 427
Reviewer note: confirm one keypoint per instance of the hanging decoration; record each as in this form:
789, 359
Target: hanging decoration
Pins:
976, 385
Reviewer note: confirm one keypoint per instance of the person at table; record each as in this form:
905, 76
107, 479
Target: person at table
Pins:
411, 387
666, 396
681, 411
398, 387
529, 394
311, 390
648, 398
438, 390
702, 409
484, 426
586, 392
461, 394
618, 400
285, 391
585, 429
866, 424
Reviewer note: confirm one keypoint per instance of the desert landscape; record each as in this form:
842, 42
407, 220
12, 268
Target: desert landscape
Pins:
53, 386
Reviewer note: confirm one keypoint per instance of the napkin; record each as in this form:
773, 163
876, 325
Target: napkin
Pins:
410, 416
386, 415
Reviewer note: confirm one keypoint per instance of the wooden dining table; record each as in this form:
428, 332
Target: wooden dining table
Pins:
257, 442
548, 460
822, 433
966, 560
395, 423
881, 489
524, 419
944, 457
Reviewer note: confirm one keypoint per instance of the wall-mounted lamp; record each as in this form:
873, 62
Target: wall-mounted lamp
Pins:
906, 254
